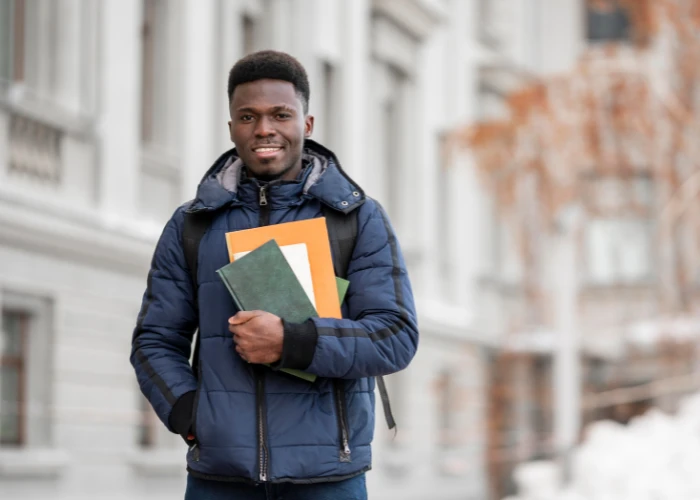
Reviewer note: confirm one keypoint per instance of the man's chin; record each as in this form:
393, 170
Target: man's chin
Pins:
267, 174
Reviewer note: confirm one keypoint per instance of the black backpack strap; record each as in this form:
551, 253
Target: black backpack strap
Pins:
195, 225
342, 233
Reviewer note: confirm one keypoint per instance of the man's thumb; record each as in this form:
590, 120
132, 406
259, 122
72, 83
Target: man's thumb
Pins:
241, 317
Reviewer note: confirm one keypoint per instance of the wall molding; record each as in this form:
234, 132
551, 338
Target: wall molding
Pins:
79, 235
418, 17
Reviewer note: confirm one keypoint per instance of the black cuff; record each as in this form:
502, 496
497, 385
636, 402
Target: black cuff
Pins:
180, 419
299, 345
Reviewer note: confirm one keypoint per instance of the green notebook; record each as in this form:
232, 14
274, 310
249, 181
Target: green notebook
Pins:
343, 286
263, 280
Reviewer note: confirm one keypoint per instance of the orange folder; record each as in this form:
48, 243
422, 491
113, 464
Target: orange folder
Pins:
314, 234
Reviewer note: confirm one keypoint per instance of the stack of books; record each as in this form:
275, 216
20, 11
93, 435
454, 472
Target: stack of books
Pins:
284, 269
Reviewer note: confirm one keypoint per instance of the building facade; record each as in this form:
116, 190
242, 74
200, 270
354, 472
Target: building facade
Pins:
591, 285
111, 111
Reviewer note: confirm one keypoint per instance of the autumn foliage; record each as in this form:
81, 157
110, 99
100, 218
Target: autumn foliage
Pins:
627, 110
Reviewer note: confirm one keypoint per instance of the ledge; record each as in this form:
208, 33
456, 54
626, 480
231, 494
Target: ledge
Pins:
451, 323
165, 463
20, 100
50, 226
28, 463
418, 17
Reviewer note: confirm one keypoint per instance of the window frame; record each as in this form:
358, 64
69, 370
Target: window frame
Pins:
634, 195
19, 362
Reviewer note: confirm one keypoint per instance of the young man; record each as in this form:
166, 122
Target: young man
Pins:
254, 432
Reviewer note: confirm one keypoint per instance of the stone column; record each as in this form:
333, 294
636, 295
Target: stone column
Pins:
201, 92
69, 67
119, 124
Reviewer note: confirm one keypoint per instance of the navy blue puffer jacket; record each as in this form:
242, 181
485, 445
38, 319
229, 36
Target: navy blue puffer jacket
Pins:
253, 423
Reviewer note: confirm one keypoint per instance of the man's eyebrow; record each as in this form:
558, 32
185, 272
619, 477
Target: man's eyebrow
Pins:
279, 107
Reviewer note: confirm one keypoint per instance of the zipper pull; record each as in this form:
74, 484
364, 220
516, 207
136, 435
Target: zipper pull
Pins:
345, 453
263, 196
263, 477
195, 452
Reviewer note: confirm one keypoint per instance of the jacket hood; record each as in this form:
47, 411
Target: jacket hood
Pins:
326, 181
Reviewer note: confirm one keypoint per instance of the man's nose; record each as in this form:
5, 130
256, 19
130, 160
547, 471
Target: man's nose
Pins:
264, 127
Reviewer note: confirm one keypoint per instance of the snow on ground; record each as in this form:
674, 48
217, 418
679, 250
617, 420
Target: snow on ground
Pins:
655, 457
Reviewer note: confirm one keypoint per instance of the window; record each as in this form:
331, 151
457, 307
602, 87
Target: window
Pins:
330, 101
13, 355
618, 236
12, 41
156, 84
619, 250
25, 371
159, 187
607, 21
444, 220
392, 142
491, 16
448, 398
159, 85
147, 69
148, 426
491, 103
250, 35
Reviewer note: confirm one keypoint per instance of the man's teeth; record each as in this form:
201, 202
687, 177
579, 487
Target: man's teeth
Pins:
265, 150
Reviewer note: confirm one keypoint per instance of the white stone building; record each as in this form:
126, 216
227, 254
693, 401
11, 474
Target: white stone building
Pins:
111, 111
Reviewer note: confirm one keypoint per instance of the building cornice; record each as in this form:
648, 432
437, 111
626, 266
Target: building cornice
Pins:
83, 236
418, 17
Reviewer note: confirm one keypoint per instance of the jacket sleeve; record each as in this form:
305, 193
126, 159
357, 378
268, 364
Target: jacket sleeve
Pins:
380, 335
162, 340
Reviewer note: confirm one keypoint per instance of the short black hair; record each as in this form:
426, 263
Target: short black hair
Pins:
273, 65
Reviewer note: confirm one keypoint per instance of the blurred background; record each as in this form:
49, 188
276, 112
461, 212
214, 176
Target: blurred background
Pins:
539, 161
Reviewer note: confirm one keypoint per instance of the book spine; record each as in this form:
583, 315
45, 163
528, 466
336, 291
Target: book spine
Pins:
231, 291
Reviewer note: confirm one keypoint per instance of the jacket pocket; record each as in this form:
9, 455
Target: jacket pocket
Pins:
341, 409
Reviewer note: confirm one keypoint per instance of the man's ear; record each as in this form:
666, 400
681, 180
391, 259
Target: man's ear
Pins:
308, 126
230, 130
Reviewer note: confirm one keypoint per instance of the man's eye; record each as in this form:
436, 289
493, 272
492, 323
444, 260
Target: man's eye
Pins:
283, 116
246, 118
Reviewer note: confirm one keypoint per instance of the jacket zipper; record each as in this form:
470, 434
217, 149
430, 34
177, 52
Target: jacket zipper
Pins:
264, 207
264, 455
262, 435
341, 407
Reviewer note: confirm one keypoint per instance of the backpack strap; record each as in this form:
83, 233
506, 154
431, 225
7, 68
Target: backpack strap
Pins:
195, 225
342, 233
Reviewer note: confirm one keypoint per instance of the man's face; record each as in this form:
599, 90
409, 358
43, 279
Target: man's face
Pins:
268, 126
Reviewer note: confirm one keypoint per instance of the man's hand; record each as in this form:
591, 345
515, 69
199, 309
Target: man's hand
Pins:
258, 336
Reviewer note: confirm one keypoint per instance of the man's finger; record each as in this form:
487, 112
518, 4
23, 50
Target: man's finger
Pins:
241, 353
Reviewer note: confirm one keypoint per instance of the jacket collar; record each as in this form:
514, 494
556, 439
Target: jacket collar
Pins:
324, 179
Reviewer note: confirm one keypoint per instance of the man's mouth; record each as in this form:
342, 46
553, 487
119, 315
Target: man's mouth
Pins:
267, 151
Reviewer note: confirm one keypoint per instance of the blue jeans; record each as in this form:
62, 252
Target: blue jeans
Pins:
202, 489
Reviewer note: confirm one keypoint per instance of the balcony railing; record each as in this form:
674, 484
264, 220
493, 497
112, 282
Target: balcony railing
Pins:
34, 149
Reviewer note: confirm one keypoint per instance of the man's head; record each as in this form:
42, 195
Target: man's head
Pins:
268, 95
